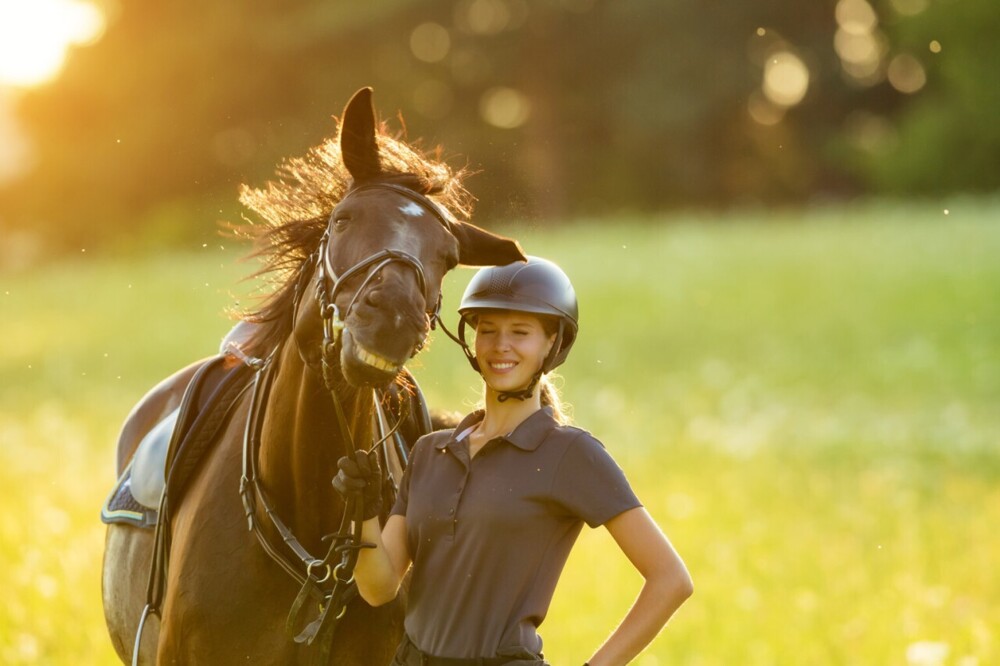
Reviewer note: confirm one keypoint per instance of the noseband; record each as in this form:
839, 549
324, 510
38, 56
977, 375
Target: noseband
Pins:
328, 283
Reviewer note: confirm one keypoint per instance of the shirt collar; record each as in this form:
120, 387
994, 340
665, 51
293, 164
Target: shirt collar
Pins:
527, 436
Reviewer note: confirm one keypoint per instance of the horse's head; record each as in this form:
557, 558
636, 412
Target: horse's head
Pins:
385, 253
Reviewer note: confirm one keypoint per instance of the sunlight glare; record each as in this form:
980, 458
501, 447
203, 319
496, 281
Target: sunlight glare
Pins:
35, 37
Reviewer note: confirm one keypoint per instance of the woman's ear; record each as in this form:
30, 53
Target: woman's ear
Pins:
552, 341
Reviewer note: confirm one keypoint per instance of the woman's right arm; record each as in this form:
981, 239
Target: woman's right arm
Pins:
380, 570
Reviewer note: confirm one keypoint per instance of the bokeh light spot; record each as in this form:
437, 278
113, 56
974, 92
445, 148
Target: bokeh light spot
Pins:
483, 17
856, 16
861, 55
857, 49
430, 42
906, 74
763, 111
504, 107
786, 79
934, 46
909, 7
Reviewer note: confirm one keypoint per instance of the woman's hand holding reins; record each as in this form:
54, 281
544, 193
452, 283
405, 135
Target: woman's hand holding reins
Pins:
360, 477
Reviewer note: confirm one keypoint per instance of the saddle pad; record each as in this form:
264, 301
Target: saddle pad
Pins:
121, 507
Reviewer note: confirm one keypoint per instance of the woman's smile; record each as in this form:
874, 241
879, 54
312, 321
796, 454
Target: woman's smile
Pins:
511, 347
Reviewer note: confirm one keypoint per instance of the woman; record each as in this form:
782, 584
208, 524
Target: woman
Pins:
487, 513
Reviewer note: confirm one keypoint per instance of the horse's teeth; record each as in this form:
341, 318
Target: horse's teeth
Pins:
374, 360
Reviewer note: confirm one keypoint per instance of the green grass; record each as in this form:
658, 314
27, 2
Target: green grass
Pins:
806, 403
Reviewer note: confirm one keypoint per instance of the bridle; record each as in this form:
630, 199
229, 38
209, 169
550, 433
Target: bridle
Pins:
328, 283
332, 585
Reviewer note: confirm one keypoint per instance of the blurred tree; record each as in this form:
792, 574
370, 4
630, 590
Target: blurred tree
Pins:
564, 106
946, 136
159, 122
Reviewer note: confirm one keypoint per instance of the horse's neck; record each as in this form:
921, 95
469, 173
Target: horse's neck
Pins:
301, 443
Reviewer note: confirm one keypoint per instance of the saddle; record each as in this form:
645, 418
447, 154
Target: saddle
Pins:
169, 454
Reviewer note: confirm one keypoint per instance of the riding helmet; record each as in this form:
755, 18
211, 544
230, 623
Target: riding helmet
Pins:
537, 286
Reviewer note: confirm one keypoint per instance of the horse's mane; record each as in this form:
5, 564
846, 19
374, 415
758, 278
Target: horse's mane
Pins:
292, 213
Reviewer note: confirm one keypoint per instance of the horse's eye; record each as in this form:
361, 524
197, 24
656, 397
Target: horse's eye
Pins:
340, 223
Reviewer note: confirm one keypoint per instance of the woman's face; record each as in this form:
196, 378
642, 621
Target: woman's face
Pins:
510, 347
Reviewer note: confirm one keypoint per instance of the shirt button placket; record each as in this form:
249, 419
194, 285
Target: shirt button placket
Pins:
453, 511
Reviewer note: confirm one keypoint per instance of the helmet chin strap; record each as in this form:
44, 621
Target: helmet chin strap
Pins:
523, 394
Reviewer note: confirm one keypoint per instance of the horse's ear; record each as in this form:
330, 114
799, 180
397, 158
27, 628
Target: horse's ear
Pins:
357, 137
477, 247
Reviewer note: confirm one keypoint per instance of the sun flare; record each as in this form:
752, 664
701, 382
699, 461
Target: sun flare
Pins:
35, 36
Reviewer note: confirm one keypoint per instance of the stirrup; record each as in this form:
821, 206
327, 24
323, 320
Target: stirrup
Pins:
146, 612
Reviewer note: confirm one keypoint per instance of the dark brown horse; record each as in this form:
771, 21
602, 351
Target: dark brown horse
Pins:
362, 230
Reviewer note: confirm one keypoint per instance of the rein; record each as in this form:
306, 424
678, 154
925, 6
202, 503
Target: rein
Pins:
332, 585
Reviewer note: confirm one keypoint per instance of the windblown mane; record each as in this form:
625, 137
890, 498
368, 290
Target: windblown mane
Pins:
292, 213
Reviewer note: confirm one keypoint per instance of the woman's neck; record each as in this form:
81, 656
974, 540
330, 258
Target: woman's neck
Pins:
502, 417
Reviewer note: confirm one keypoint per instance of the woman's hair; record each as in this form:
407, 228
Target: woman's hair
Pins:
546, 389
551, 398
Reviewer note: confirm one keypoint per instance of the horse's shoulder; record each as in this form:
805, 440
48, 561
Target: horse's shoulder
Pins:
158, 403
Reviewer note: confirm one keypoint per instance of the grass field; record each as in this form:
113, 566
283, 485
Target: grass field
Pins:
807, 403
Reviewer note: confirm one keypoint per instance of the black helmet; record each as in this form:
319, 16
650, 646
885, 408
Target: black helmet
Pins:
537, 286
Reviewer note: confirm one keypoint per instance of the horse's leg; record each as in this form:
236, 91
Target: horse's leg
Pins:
128, 550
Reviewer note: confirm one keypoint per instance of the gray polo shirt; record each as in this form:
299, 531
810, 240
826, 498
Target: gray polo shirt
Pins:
489, 536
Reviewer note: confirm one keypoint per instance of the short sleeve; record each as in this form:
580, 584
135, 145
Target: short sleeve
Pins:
589, 484
403, 493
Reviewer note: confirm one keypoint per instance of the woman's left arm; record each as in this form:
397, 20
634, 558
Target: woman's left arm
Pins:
667, 584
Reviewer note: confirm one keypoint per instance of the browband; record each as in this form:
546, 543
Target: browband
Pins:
414, 196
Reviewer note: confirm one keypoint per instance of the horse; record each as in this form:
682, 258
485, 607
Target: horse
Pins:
358, 236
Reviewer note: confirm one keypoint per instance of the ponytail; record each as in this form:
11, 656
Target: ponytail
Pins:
549, 395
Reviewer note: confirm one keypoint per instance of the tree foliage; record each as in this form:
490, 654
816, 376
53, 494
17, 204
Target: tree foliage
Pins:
564, 106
